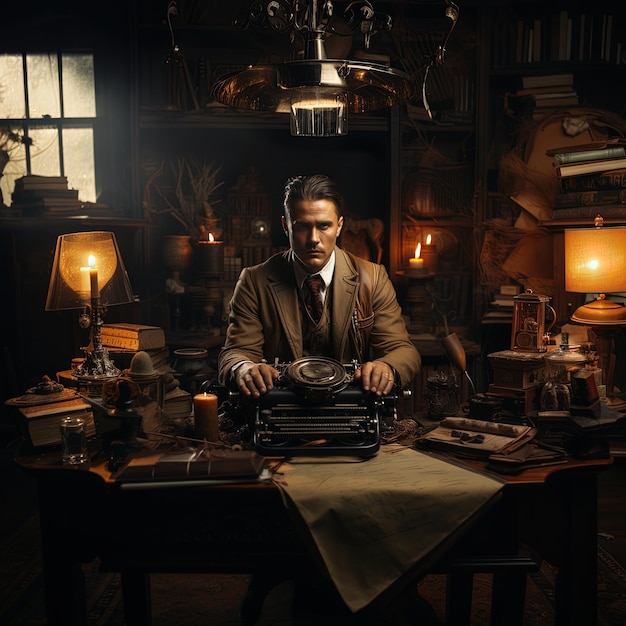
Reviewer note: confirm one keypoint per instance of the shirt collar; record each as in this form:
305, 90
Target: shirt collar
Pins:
326, 272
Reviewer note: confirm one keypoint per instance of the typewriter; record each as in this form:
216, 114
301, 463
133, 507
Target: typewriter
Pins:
315, 408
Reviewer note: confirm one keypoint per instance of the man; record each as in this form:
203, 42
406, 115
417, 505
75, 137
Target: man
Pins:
359, 317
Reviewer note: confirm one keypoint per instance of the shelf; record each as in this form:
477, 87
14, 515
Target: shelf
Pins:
54, 222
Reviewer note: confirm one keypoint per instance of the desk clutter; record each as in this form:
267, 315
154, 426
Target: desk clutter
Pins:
542, 404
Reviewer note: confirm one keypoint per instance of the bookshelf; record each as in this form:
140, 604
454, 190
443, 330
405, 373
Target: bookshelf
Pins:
533, 52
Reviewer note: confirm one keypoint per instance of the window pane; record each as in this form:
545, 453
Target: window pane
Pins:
13, 169
43, 85
78, 157
79, 95
12, 86
44, 152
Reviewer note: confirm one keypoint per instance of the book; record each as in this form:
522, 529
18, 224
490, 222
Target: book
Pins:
178, 404
610, 179
590, 198
589, 155
539, 104
510, 290
556, 100
549, 90
243, 465
40, 423
501, 300
547, 80
590, 167
31, 195
532, 454
133, 336
31, 182
477, 438
589, 212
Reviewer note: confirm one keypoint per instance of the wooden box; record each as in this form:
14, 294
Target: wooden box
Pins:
517, 370
517, 401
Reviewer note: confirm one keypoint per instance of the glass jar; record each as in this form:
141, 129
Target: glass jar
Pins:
560, 365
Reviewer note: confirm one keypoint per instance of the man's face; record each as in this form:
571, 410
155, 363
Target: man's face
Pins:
313, 227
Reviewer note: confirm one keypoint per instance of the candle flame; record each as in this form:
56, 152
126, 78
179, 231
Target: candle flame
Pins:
91, 261
428, 239
418, 250
211, 238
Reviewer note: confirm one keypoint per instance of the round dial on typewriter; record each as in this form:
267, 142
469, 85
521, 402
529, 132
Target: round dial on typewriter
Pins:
318, 374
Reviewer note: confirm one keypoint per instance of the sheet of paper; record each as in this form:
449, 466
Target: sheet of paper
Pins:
373, 521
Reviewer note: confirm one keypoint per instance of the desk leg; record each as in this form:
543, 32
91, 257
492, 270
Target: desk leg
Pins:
137, 599
459, 597
577, 580
63, 576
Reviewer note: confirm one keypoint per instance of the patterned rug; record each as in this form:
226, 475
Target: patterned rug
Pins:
194, 599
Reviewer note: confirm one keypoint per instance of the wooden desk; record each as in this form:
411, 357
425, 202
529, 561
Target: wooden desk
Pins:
245, 528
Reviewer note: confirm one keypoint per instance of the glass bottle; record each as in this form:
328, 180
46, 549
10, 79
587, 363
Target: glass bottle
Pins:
560, 363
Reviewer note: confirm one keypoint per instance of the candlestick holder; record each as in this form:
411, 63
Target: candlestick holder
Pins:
97, 363
430, 255
419, 301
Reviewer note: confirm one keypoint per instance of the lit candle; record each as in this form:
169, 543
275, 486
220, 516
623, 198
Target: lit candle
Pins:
84, 280
205, 416
211, 255
416, 264
430, 255
93, 277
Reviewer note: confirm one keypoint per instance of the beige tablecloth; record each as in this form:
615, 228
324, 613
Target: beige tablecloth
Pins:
372, 521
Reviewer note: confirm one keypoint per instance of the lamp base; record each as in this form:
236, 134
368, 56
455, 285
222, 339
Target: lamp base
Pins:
96, 366
600, 312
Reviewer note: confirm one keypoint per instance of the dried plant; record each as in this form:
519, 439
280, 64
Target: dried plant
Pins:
186, 191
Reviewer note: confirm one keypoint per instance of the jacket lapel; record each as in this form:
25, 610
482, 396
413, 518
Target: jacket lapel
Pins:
345, 282
283, 291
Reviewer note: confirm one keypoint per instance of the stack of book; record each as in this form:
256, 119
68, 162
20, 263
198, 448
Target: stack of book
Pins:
501, 307
542, 95
123, 340
592, 180
45, 195
177, 404
40, 419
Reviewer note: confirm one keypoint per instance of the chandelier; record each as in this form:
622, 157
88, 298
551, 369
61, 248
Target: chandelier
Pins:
316, 91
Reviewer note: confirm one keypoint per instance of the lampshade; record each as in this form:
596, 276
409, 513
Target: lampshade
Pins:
83, 260
595, 262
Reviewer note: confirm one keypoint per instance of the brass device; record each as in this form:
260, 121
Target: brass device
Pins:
529, 332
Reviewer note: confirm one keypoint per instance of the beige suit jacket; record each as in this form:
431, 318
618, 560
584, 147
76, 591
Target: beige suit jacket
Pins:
265, 317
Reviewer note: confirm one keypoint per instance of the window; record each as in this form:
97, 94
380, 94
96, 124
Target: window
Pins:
47, 119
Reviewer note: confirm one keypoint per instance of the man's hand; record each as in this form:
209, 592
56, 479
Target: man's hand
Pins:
376, 376
254, 379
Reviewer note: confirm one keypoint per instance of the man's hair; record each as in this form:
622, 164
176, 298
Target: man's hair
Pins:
318, 187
